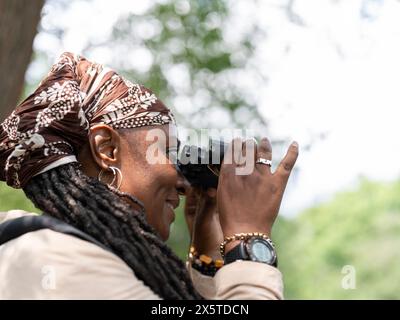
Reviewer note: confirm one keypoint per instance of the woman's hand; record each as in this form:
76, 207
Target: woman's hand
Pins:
203, 221
250, 203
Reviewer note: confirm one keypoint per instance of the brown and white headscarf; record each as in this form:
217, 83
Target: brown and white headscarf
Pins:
48, 128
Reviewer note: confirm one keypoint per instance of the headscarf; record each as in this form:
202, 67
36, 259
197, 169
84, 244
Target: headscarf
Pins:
48, 128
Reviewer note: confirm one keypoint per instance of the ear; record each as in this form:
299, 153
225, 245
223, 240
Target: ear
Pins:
105, 145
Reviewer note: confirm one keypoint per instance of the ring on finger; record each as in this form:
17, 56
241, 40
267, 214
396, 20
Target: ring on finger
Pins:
264, 161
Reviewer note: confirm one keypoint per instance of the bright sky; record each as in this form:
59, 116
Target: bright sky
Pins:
338, 75
341, 76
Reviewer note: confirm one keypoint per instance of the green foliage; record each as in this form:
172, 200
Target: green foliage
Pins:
179, 238
14, 199
359, 228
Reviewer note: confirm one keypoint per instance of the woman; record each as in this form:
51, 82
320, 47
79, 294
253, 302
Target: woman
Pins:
77, 147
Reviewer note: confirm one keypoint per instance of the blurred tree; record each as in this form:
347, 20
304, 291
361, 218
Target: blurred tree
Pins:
11, 199
181, 50
357, 230
18, 27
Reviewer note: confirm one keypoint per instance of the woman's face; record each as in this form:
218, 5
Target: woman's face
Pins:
150, 175
143, 156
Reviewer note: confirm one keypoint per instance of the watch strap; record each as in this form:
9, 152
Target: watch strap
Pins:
236, 253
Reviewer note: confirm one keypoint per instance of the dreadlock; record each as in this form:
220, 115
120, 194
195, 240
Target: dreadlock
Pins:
66, 193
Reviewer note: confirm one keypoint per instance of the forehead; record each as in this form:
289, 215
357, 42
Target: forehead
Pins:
167, 133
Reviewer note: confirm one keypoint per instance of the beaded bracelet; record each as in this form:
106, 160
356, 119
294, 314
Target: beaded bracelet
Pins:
240, 236
203, 263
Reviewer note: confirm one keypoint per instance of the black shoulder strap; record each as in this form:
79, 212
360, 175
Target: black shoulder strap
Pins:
15, 228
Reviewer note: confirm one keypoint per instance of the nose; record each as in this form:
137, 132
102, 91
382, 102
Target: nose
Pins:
182, 185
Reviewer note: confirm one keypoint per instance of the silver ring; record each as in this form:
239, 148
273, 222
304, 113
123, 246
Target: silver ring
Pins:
264, 161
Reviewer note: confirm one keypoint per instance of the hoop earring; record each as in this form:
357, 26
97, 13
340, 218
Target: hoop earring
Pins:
115, 169
116, 172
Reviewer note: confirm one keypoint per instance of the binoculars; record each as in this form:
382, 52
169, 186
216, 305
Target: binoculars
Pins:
201, 166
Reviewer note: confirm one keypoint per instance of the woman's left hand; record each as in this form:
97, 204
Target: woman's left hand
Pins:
203, 221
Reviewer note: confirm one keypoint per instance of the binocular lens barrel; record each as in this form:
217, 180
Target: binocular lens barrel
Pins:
200, 166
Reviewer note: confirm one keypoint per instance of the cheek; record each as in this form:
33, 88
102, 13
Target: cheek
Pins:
153, 186
166, 176
163, 188
170, 177
135, 183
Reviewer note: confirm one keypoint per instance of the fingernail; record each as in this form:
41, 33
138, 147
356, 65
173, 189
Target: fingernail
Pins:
295, 144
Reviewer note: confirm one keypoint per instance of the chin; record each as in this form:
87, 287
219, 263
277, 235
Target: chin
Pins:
162, 223
165, 235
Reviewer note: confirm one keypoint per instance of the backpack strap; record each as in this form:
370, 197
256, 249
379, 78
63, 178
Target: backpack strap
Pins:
14, 228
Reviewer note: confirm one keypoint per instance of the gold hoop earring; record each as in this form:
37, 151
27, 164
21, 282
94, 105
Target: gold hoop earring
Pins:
115, 171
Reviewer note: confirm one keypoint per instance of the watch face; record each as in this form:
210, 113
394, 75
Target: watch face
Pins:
260, 250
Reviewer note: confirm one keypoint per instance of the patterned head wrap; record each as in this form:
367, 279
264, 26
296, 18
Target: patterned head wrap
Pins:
48, 128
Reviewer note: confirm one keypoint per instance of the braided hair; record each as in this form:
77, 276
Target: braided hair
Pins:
66, 193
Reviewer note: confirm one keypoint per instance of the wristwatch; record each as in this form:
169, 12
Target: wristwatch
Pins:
256, 249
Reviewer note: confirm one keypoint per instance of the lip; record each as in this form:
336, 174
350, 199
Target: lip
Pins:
171, 208
173, 203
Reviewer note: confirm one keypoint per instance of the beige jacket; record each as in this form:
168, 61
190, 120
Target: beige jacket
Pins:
49, 265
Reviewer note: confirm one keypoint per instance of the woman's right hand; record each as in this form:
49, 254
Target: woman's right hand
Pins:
250, 203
